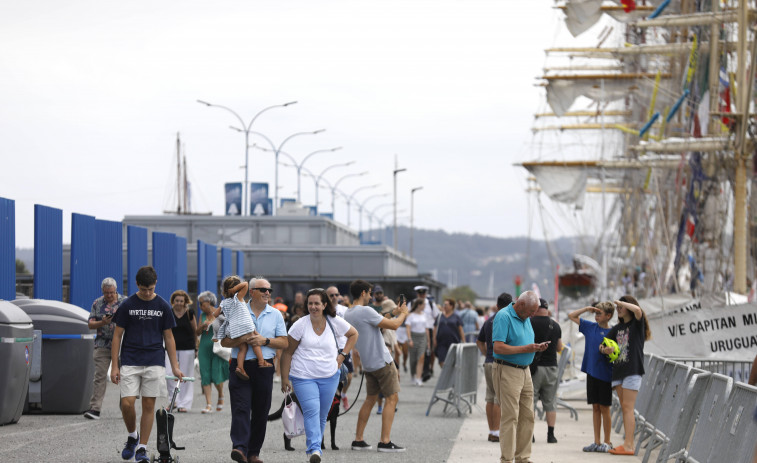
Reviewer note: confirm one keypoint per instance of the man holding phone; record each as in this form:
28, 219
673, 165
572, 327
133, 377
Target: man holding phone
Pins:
101, 319
514, 348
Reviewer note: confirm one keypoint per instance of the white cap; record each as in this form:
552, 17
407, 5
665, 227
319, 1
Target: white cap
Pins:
421, 288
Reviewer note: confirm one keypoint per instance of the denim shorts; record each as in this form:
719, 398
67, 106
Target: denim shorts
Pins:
632, 382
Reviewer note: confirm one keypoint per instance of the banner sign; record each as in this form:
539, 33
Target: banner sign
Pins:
233, 199
726, 332
259, 203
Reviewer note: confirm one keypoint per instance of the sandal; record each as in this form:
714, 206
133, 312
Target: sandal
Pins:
620, 450
219, 406
181, 410
241, 375
208, 409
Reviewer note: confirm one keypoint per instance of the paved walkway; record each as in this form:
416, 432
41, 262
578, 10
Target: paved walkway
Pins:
434, 438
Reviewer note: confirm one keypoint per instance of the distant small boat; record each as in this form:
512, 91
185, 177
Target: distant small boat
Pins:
581, 282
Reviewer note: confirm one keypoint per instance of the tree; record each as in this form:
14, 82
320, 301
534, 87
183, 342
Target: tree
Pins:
462, 293
21, 266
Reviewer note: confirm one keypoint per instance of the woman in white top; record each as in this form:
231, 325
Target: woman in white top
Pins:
312, 362
417, 335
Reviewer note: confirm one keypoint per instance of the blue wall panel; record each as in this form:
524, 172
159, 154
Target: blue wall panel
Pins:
109, 253
211, 268
225, 263
164, 262
201, 258
84, 287
136, 255
7, 249
48, 253
181, 263
240, 264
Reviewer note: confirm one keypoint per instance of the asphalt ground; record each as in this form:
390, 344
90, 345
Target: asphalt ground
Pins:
438, 437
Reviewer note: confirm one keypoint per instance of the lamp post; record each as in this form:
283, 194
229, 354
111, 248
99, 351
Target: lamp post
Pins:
336, 184
412, 209
352, 196
372, 214
298, 165
276, 151
361, 206
320, 176
246, 132
394, 234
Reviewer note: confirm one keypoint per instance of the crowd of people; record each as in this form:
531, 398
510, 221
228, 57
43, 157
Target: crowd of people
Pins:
324, 336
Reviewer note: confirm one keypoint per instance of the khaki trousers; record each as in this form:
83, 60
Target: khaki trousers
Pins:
102, 363
515, 393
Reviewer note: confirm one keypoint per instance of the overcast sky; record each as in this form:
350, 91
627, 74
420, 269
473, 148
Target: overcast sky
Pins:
94, 92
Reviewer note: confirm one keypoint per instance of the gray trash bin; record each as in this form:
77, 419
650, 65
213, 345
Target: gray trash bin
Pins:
15, 358
64, 383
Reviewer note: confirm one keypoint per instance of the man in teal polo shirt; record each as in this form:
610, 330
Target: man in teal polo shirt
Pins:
514, 350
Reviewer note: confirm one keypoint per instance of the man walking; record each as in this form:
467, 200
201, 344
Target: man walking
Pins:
144, 322
486, 346
381, 375
101, 319
251, 400
431, 311
333, 293
545, 363
514, 350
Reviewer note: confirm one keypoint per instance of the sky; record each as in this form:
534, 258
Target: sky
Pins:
94, 93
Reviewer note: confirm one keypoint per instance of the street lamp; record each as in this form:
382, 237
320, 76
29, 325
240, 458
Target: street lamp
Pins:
394, 234
372, 214
361, 206
276, 155
246, 132
298, 165
412, 209
352, 196
336, 184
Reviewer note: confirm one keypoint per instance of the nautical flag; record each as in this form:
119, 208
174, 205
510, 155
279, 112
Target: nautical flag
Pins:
628, 5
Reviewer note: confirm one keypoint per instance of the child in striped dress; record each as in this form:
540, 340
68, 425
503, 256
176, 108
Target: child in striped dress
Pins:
238, 322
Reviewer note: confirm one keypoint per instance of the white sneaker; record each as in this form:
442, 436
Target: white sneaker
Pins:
276, 378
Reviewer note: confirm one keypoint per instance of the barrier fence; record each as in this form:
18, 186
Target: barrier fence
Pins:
690, 414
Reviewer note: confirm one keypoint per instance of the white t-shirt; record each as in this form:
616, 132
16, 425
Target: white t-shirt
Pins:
416, 322
340, 311
432, 313
315, 356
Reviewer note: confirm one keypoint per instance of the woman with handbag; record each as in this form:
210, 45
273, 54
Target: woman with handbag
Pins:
184, 336
312, 363
214, 369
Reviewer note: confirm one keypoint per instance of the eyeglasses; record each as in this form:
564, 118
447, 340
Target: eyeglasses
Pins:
333, 295
264, 290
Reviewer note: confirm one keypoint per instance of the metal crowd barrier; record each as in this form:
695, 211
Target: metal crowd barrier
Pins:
737, 369
692, 415
458, 381
565, 357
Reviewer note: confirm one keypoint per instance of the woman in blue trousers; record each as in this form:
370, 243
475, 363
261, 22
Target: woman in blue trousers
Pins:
311, 363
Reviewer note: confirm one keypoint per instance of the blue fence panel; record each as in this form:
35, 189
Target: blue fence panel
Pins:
136, 255
181, 263
201, 267
109, 254
211, 268
225, 262
84, 287
164, 262
7, 249
240, 264
48, 253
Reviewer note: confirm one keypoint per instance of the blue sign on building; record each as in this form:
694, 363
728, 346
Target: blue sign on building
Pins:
259, 202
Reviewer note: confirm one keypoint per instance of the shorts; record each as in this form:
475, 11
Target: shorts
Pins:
348, 363
632, 382
545, 387
143, 381
598, 391
491, 396
384, 380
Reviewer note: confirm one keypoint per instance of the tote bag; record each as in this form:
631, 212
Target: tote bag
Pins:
291, 417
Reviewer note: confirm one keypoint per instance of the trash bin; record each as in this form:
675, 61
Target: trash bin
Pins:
15, 357
63, 384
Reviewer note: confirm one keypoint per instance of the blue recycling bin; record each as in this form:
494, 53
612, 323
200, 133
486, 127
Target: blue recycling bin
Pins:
15, 358
61, 382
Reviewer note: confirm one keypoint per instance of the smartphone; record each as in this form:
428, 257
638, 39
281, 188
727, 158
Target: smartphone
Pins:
402, 299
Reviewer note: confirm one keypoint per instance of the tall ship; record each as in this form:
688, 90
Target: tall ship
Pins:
645, 145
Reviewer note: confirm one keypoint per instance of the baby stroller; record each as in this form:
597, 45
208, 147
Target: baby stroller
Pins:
164, 420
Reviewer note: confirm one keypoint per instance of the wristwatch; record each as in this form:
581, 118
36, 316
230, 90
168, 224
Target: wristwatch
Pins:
341, 352
267, 341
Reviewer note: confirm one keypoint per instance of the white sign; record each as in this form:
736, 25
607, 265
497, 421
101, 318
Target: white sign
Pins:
728, 332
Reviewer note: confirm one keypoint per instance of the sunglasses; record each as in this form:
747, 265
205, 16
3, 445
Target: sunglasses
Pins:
264, 290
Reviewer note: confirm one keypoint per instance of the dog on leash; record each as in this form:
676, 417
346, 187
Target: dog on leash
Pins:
331, 418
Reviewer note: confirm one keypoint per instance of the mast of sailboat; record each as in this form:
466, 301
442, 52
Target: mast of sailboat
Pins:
185, 184
178, 173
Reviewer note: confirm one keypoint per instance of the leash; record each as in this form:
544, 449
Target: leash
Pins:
362, 376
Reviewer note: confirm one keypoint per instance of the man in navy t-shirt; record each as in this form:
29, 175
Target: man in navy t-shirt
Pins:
143, 322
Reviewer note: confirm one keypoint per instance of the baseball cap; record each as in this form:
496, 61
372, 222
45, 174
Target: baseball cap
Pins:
543, 303
377, 289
